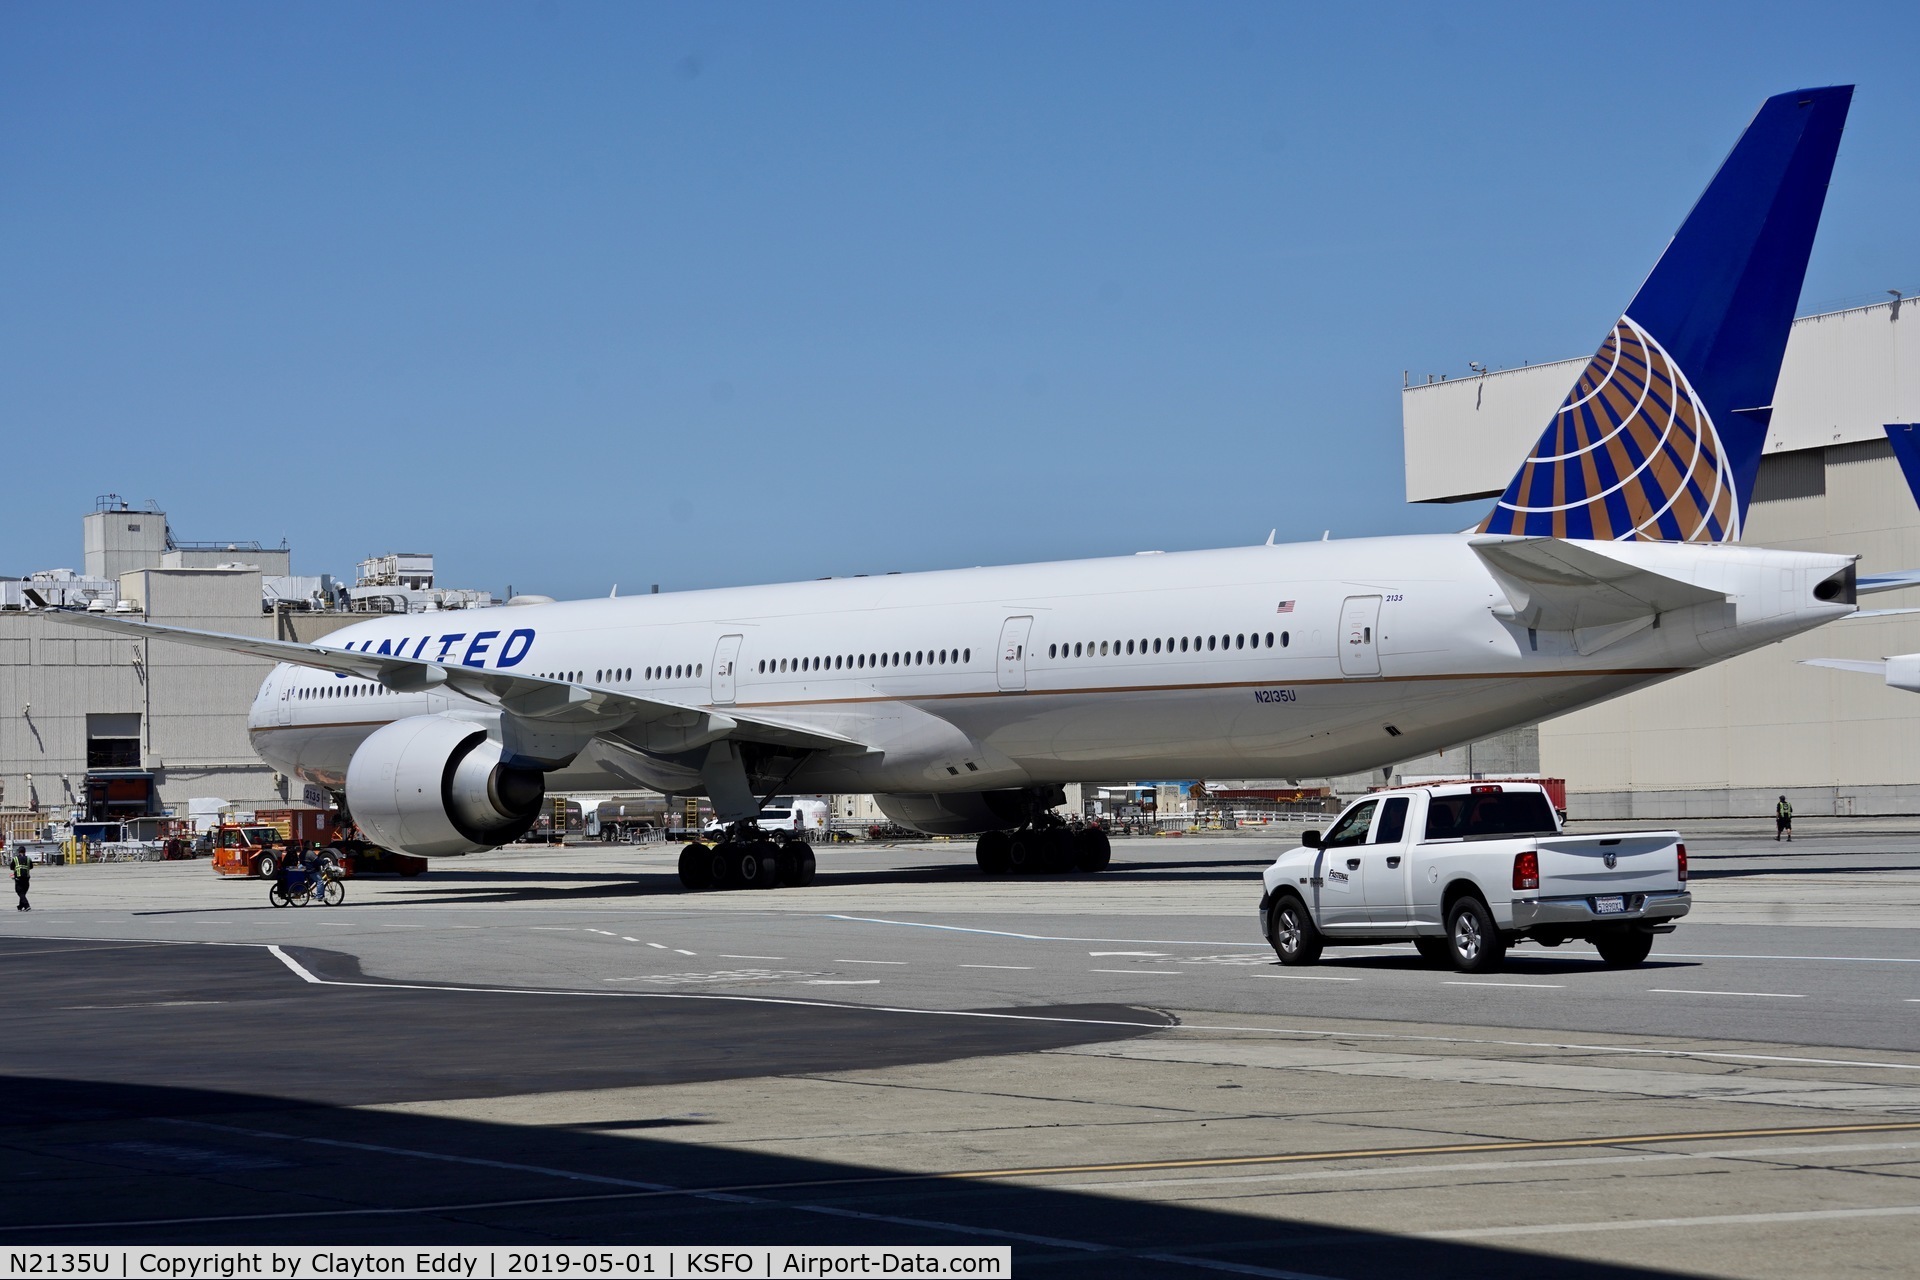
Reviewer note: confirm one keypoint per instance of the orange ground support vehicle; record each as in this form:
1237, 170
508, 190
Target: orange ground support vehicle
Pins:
247, 849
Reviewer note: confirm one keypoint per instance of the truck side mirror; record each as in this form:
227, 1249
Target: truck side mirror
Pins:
1311, 839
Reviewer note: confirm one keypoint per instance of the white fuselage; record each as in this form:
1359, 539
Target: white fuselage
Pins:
1147, 666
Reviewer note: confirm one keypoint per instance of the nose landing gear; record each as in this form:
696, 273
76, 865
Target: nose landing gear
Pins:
747, 858
1047, 848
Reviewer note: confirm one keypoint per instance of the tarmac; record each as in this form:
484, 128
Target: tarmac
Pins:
1108, 1073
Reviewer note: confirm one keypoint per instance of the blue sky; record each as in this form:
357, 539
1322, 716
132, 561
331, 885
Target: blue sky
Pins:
577, 294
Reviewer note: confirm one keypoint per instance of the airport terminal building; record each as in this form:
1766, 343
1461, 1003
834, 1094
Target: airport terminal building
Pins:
1727, 740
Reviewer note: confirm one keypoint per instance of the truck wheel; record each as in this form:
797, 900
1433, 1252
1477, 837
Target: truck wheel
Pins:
1474, 944
1433, 950
267, 866
696, 867
1624, 949
1291, 930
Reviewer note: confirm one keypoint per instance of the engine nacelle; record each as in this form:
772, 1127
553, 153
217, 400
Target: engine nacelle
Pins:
965, 813
435, 785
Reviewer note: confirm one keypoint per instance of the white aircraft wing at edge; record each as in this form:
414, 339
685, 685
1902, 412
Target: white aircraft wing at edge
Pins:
663, 725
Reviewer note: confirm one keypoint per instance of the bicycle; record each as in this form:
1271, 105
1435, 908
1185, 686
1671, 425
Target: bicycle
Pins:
299, 887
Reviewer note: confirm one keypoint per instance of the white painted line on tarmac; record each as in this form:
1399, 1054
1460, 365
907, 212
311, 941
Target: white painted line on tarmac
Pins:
1163, 973
725, 956
1703, 955
1508, 986
295, 965
1690, 991
1157, 955
1038, 937
996, 966
1644, 1224
1307, 977
657, 946
841, 982
843, 960
679, 951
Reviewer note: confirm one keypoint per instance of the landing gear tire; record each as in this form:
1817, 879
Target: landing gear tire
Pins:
696, 867
757, 865
990, 851
1060, 851
1092, 850
1474, 944
1292, 933
1625, 949
800, 865
1026, 852
1433, 950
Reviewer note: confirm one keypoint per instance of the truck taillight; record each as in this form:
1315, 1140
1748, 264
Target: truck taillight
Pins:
1683, 864
1526, 870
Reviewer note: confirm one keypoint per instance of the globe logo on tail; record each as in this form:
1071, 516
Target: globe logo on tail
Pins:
1631, 454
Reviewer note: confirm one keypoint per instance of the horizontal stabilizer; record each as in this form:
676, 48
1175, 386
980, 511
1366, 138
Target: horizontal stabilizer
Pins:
1552, 585
1900, 672
648, 722
1868, 583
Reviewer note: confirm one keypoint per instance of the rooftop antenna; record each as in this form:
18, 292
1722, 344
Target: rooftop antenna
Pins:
1897, 296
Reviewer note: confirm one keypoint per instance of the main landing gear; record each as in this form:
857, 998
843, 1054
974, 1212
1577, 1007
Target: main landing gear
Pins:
747, 858
1045, 848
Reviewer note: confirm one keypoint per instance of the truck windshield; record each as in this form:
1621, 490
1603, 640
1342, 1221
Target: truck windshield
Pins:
1507, 813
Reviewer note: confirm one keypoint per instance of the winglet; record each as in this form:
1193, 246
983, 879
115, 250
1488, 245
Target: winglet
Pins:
1660, 438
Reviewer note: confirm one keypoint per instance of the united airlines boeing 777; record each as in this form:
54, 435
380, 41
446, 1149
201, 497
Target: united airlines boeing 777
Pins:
964, 700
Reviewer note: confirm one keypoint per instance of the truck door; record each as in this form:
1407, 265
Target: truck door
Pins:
725, 655
1360, 636
1013, 652
1341, 897
1388, 864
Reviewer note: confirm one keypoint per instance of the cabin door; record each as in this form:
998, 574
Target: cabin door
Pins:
724, 656
1359, 636
1013, 652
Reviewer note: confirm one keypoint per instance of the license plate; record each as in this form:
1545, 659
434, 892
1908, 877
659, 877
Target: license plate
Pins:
1609, 906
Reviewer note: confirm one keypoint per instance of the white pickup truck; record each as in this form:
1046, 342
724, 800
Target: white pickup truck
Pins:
1464, 871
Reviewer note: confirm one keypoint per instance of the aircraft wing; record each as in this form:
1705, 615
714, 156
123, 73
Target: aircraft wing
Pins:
1557, 586
1868, 583
650, 723
1902, 671
1861, 665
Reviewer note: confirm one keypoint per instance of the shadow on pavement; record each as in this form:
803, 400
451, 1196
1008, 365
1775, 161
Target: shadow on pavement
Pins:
206, 1095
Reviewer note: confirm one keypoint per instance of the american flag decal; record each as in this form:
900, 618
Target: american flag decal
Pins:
1286, 606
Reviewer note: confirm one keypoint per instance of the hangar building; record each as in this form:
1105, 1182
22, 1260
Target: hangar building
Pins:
1727, 740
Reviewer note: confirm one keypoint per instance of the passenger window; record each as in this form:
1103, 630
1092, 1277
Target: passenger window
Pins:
1240, 641
1210, 640
1283, 639
966, 655
1393, 821
1183, 644
699, 668
1352, 829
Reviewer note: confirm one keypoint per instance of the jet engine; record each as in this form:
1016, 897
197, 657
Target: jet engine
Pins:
435, 785
963, 813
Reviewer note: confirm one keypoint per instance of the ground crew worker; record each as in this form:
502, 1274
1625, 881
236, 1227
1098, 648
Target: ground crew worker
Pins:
22, 872
1783, 820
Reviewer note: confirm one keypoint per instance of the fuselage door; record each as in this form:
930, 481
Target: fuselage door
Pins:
725, 654
286, 697
1359, 636
1013, 652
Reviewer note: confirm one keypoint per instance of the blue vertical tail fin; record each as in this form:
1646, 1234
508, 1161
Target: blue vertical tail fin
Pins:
1660, 438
